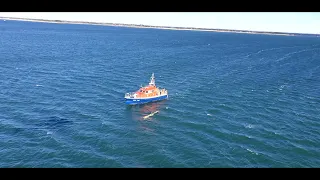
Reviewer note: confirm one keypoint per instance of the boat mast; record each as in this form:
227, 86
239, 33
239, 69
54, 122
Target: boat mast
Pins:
152, 80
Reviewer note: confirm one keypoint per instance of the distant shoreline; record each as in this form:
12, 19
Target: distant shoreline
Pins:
158, 27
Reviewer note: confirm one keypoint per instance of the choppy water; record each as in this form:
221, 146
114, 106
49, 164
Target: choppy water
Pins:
235, 100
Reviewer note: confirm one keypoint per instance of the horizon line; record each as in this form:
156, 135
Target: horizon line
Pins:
159, 27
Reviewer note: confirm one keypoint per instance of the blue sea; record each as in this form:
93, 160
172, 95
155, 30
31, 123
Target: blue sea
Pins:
235, 100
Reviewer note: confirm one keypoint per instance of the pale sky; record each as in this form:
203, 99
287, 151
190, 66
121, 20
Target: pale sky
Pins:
299, 22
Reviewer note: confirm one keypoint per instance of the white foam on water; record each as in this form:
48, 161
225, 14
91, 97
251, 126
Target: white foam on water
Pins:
252, 151
281, 87
249, 126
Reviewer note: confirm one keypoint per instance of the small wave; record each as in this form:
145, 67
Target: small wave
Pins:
214, 111
288, 55
281, 87
270, 49
252, 151
250, 126
226, 107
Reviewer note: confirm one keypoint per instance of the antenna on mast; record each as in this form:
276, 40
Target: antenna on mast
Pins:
152, 80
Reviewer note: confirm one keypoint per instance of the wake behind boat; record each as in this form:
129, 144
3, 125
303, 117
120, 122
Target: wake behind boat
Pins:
146, 94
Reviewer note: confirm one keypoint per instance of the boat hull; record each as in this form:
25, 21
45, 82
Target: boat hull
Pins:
131, 101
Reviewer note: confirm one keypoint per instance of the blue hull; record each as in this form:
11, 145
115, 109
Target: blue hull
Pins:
143, 101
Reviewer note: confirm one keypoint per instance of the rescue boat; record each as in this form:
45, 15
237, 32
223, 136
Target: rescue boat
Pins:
146, 94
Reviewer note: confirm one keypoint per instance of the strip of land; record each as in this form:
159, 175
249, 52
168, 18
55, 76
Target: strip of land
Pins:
158, 27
